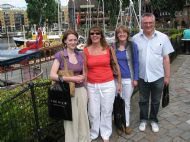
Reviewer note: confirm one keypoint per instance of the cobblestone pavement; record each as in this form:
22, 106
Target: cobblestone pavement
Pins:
174, 120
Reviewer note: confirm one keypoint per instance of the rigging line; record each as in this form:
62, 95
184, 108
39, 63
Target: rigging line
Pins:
98, 10
87, 20
120, 11
133, 10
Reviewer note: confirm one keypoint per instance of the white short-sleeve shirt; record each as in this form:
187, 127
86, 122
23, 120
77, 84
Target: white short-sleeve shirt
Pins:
151, 53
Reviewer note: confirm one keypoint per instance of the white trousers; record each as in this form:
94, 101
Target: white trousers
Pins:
127, 90
100, 107
78, 130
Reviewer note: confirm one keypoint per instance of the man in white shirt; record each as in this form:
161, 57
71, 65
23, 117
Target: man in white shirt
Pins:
154, 69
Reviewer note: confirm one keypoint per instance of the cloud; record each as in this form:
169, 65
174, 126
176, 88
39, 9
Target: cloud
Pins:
22, 3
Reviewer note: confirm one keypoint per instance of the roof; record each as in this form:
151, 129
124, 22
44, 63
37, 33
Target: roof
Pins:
78, 3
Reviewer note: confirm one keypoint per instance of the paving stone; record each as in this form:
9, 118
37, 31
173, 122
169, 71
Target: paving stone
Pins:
169, 126
178, 139
186, 136
138, 137
145, 140
162, 132
184, 126
188, 121
173, 119
164, 138
175, 132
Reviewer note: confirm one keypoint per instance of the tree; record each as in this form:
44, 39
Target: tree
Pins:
156, 6
113, 7
41, 10
170, 6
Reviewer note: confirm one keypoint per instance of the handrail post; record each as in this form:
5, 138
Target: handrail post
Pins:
31, 86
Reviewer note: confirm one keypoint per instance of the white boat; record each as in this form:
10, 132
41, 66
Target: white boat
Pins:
19, 41
47, 39
81, 42
110, 37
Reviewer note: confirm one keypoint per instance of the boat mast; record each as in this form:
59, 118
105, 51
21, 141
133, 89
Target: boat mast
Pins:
75, 24
58, 14
88, 22
23, 28
103, 16
8, 37
139, 1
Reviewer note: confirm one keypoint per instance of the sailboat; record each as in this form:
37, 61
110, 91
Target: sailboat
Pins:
48, 39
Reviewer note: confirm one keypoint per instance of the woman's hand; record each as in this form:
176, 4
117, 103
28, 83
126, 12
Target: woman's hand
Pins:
79, 78
135, 83
119, 88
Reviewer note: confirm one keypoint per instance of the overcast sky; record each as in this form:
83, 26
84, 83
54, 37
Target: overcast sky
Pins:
22, 3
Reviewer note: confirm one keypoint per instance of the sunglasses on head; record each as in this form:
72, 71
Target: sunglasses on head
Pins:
94, 33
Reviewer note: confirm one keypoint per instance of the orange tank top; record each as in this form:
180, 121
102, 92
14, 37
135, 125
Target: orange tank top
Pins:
99, 70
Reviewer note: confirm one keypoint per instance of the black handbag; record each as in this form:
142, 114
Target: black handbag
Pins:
165, 96
59, 101
119, 113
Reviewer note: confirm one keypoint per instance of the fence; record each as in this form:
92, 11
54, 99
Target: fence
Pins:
177, 45
24, 116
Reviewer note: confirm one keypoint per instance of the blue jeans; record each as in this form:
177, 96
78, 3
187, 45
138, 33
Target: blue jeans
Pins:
147, 89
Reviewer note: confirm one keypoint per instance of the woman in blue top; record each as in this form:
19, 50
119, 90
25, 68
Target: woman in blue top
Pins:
127, 56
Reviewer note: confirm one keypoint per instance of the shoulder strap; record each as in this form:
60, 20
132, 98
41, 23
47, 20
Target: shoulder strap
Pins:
64, 60
114, 45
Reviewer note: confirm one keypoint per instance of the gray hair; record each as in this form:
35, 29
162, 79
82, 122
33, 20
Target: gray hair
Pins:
148, 15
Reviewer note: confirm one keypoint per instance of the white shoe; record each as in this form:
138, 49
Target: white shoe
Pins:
155, 127
142, 126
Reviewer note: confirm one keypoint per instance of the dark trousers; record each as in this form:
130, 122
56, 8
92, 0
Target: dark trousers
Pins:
150, 91
186, 47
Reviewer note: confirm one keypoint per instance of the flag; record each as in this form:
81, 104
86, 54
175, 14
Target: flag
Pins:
78, 19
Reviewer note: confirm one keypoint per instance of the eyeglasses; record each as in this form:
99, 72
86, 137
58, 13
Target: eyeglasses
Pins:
148, 23
94, 33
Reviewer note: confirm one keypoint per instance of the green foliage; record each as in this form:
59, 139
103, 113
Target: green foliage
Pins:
167, 6
175, 36
17, 119
40, 11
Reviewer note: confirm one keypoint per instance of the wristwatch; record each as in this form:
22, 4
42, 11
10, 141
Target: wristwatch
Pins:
60, 78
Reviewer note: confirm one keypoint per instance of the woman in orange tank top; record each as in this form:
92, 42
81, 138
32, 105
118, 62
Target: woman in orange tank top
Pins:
100, 84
